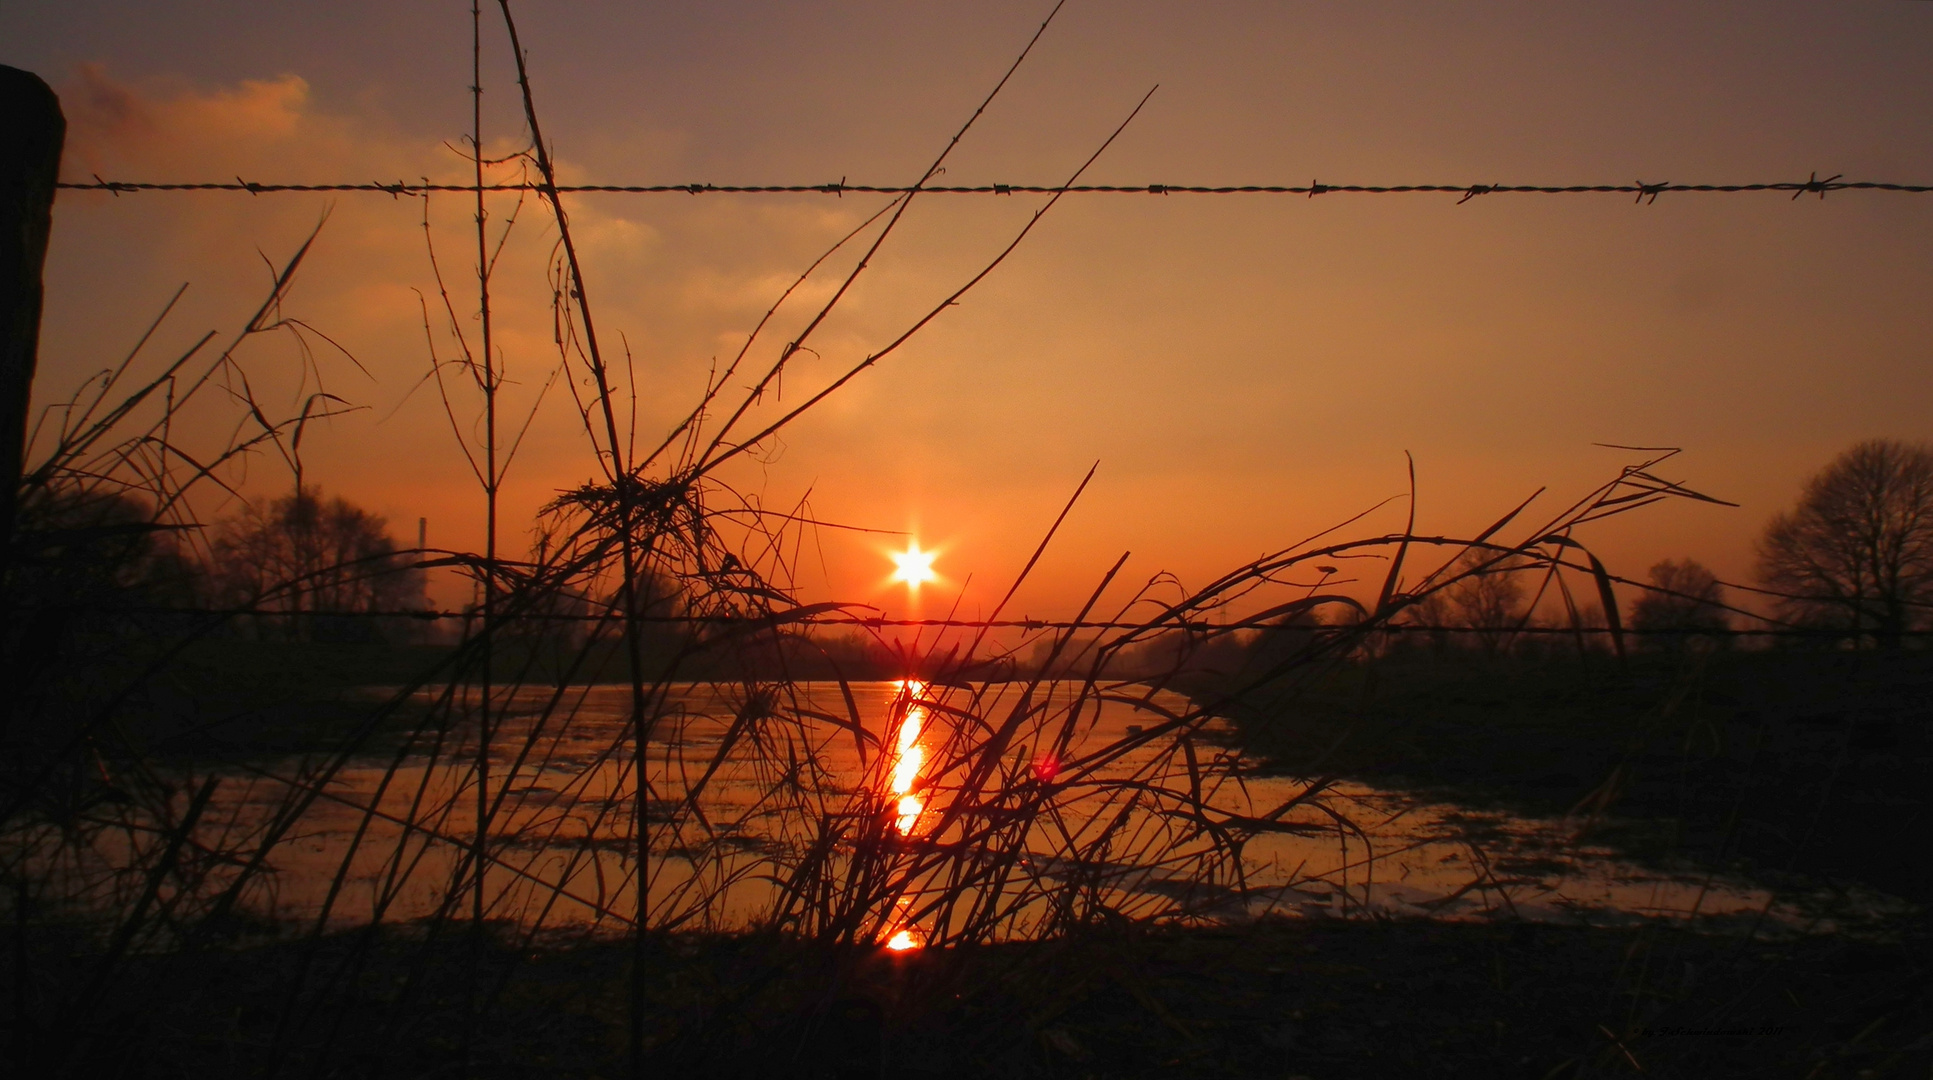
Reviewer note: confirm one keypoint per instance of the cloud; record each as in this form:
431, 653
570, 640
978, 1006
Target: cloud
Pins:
114, 126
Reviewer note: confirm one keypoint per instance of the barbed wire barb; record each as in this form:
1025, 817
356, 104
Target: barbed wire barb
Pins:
1813, 183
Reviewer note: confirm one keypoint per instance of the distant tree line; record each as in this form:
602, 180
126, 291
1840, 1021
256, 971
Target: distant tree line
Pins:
308, 567
313, 567
1851, 562
1851, 565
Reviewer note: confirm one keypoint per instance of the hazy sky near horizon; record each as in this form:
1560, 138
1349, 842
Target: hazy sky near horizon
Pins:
1246, 369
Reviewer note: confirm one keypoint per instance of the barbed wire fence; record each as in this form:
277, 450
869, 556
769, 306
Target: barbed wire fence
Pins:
1644, 192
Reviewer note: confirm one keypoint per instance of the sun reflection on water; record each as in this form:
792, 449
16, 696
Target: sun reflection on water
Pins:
908, 756
904, 782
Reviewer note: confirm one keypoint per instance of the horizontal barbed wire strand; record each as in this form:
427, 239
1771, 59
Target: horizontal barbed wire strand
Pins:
779, 620
1643, 191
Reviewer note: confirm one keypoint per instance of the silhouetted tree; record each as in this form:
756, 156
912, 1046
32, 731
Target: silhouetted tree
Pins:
1856, 554
1485, 597
1690, 601
316, 563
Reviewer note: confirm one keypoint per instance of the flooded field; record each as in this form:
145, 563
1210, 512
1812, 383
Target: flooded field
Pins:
737, 801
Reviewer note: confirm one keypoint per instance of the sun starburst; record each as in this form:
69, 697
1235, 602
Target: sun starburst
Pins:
914, 566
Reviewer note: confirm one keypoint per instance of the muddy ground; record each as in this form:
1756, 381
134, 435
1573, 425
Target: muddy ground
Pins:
1313, 998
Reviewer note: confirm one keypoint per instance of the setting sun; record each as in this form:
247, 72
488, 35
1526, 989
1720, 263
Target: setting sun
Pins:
913, 566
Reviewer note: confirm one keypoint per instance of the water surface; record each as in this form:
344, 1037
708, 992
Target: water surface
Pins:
388, 833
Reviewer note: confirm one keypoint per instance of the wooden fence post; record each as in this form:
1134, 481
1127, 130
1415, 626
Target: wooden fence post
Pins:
32, 130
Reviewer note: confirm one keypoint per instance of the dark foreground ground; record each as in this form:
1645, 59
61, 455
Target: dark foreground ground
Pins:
1321, 999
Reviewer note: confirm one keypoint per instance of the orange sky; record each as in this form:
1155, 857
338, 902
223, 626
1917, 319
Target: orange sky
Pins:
1247, 370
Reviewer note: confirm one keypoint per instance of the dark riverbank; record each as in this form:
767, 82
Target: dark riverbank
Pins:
1813, 764
225, 697
1321, 999
229, 697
